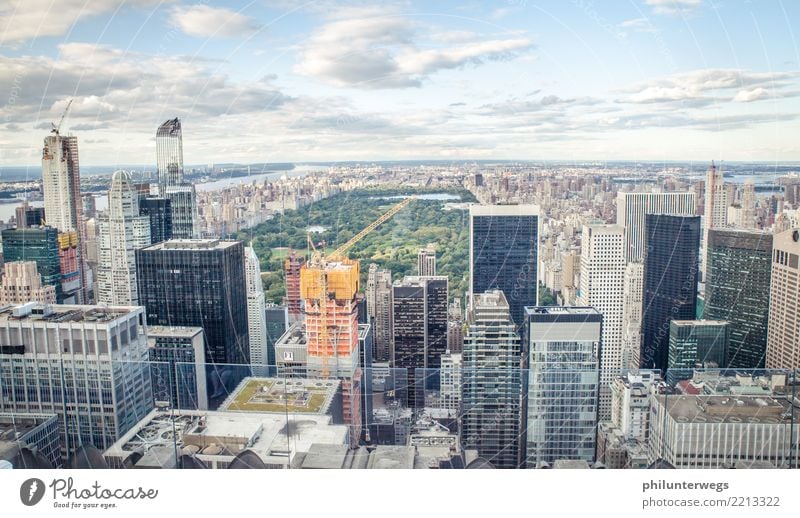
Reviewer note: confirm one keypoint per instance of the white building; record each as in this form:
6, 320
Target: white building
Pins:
715, 207
632, 208
450, 381
121, 232
783, 334
22, 283
632, 295
426, 260
256, 318
86, 364
630, 403
602, 287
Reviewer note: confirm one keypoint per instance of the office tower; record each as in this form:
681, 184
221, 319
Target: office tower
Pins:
69, 260
159, 210
39, 245
171, 184
632, 294
61, 184
503, 253
419, 318
22, 283
632, 207
198, 283
450, 381
93, 250
748, 212
563, 357
122, 232
715, 210
291, 275
426, 260
737, 290
177, 366
256, 318
25, 433
332, 331
602, 287
670, 282
783, 335
277, 319
379, 307
98, 353
491, 380
630, 403
28, 216
695, 344
723, 431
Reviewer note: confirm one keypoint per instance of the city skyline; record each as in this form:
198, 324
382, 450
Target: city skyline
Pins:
662, 80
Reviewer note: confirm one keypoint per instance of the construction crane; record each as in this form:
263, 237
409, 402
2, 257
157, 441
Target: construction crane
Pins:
315, 285
57, 129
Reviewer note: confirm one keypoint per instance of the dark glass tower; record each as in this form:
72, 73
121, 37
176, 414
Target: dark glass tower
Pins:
503, 254
169, 154
672, 247
198, 283
159, 210
695, 344
39, 244
737, 290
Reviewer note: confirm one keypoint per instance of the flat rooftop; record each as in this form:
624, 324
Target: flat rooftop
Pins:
36, 312
193, 244
728, 409
293, 395
174, 331
504, 210
560, 310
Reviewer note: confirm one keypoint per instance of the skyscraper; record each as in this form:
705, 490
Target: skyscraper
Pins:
159, 210
379, 307
28, 216
426, 260
39, 244
291, 275
632, 295
277, 318
122, 231
670, 282
256, 318
171, 184
61, 184
491, 380
22, 283
199, 283
177, 366
602, 287
632, 207
737, 291
716, 207
783, 335
419, 319
695, 344
503, 253
563, 357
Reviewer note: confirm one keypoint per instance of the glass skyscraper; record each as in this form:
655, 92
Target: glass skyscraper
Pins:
672, 249
171, 184
737, 290
39, 244
695, 344
503, 253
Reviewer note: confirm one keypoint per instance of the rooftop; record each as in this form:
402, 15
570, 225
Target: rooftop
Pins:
295, 395
727, 409
34, 311
174, 331
192, 244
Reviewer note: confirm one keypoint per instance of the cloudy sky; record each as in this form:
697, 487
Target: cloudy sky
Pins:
284, 80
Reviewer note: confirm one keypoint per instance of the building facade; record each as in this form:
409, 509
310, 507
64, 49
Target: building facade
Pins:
379, 307
696, 344
632, 207
22, 283
783, 335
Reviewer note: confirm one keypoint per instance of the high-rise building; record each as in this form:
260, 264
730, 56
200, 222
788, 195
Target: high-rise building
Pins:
602, 287
379, 307
177, 366
450, 381
491, 380
86, 364
783, 334
563, 357
28, 216
695, 344
332, 331
277, 318
632, 207
630, 403
503, 253
39, 244
171, 184
419, 318
737, 290
61, 184
670, 282
198, 283
159, 210
256, 317
747, 218
69, 260
426, 260
22, 283
632, 295
122, 231
291, 276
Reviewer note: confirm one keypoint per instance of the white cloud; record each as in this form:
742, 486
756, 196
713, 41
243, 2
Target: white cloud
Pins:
674, 7
203, 21
368, 48
22, 20
748, 96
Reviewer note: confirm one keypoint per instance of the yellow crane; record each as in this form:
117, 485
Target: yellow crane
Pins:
316, 288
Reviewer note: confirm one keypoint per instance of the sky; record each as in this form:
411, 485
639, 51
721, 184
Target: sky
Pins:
343, 80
